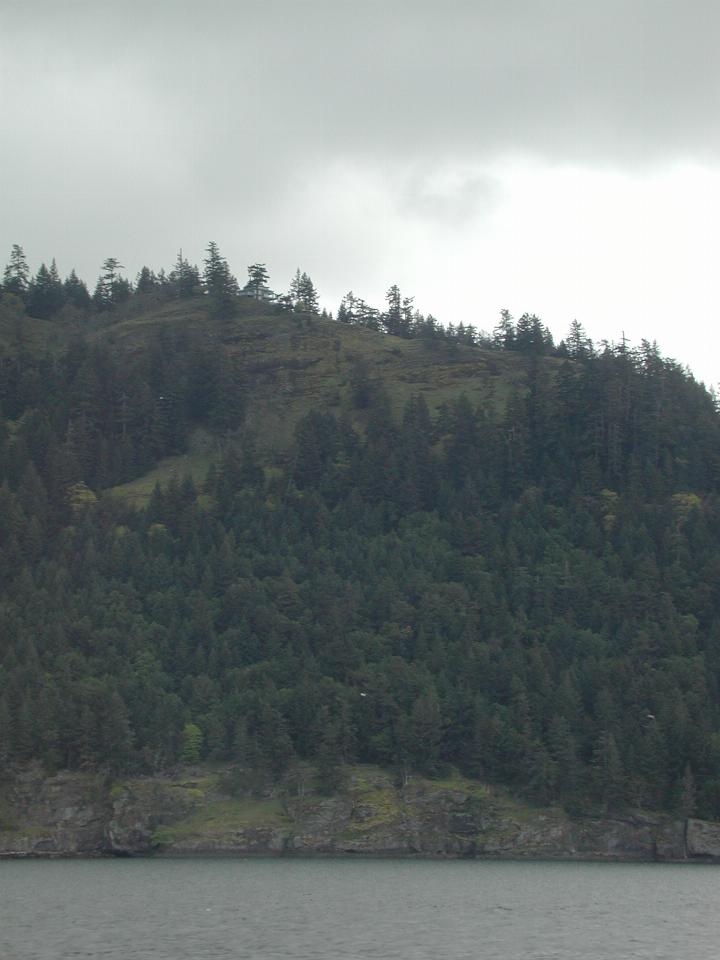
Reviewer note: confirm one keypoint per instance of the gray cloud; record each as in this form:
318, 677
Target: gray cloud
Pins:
455, 199
619, 80
132, 129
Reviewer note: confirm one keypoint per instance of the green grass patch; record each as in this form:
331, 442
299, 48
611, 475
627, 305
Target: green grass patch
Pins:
202, 452
194, 787
373, 809
223, 817
458, 783
205, 783
32, 831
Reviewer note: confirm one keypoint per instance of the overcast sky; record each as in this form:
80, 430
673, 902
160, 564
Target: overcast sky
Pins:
554, 156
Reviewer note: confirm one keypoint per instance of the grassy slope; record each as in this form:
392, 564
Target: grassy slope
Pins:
28, 334
290, 364
201, 452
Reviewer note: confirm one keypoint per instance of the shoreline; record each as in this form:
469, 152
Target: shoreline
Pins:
201, 812
6, 856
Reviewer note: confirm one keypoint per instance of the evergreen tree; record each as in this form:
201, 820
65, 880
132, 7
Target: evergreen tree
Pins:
45, 293
393, 316
258, 281
192, 743
563, 751
303, 295
184, 278
504, 333
17, 273
111, 288
146, 281
76, 292
579, 345
329, 759
608, 772
220, 285
227, 407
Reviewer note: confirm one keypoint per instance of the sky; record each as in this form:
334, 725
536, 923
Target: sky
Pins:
560, 157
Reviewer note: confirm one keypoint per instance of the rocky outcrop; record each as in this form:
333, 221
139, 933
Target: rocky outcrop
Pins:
139, 807
702, 840
64, 815
228, 812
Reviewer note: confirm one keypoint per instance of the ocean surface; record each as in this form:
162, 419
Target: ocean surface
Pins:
329, 909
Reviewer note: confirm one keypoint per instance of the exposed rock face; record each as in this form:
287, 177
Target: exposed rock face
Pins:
138, 807
703, 840
63, 815
200, 811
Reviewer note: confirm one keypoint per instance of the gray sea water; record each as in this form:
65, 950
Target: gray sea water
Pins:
334, 909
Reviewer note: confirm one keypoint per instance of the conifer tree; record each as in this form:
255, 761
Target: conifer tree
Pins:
608, 771
17, 273
111, 288
45, 294
504, 333
76, 292
303, 294
146, 281
192, 742
184, 278
393, 316
579, 345
220, 285
257, 280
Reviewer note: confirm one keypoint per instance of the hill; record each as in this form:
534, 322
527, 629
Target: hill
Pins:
290, 365
412, 551
287, 364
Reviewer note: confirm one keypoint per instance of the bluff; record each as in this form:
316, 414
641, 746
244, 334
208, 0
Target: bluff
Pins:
199, 811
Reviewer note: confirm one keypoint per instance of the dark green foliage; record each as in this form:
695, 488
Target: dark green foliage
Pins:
184, 279
192, 743
526, 591
257, 285
226, 409
329, 761
16, 277
146, 281
76, 292
302, 295
220, 285
86, 415
45, 295
112, 288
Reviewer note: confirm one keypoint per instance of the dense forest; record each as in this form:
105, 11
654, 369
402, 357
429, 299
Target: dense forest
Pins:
525, 588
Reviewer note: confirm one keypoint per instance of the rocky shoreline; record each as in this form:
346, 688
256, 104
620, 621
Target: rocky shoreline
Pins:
197, 811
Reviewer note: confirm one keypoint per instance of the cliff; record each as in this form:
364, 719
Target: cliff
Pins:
220, 811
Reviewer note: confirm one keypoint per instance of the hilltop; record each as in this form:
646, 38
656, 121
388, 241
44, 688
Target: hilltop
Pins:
290, 365
287, 362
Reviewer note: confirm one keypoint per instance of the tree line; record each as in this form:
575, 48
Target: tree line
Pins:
46, 296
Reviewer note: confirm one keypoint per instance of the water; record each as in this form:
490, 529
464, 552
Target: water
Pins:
356, 909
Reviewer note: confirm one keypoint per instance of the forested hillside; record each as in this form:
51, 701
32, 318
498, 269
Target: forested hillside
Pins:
407, 545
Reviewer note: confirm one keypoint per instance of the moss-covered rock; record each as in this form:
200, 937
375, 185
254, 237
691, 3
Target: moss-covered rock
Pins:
232, 810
